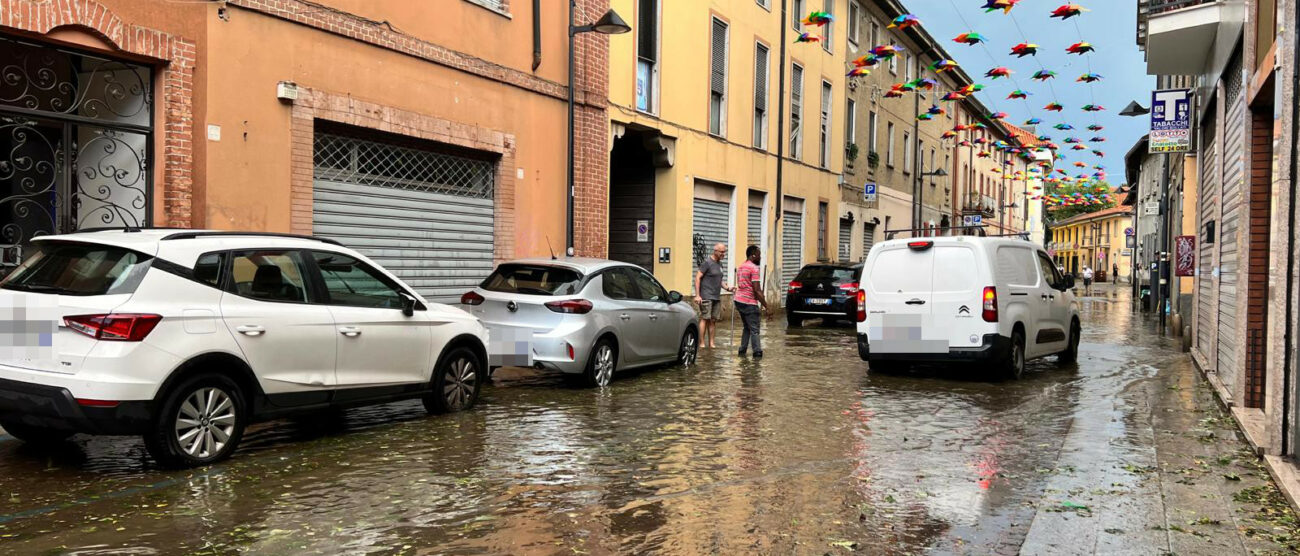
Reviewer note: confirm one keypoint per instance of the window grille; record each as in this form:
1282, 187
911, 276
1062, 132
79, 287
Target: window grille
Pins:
360, 161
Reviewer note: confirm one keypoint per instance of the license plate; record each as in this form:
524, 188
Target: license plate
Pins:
817, 301
510, 347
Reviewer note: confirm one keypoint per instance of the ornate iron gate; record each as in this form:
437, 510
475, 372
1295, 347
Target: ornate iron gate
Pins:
75, 136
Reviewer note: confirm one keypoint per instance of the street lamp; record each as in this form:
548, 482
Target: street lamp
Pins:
1134, 109
608, 24
1159, 282
920, 191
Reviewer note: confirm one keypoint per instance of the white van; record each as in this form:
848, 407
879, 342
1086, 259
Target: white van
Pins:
965, 299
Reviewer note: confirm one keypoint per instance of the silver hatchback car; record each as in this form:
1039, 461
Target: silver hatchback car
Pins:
582, 316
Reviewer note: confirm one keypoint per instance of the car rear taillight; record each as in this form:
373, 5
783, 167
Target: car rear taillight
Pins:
862, 305
97, 403
570, 306
471, 298
570, 349
114, 327
920, 245
990, 304
795, 285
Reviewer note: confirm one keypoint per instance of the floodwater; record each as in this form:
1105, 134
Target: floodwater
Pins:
802, 452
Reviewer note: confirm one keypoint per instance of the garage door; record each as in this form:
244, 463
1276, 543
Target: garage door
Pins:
868, 238
791, 246
845, 247
423, 215
711, 223
754, 228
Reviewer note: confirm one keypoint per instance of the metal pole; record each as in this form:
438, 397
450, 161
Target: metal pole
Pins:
568, 198
1162, 268
916, 159
778, 203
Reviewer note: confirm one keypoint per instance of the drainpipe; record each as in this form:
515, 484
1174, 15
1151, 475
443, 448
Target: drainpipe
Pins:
778, 204
1288, 337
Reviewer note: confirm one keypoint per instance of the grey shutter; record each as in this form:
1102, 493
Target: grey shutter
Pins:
754, 228
845, 247
425, 216
718, 83
647, 33
761, 57
1208, 201
711, 223
791, 246
868, 238
1234, 180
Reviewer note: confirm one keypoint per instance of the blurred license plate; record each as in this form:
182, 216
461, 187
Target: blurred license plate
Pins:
817, 301
510, 347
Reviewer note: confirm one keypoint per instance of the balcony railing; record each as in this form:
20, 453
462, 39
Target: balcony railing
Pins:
1162, 6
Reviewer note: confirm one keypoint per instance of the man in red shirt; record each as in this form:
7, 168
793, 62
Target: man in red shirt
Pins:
750, 301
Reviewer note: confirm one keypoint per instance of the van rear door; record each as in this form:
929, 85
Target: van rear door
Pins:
956, 302
899, 283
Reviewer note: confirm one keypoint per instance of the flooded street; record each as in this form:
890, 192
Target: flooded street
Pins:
801, 452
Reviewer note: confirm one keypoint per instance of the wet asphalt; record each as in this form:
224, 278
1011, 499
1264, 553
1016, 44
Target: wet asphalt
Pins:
802, 452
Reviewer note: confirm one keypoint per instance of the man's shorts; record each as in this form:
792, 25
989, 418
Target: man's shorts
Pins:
710, 309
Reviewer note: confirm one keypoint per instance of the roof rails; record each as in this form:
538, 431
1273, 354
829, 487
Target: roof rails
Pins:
126, 229
199, 234
889, 234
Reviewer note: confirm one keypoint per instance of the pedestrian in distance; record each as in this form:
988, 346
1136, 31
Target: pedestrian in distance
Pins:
1087, 280
708, 294
1114, 273
750, 301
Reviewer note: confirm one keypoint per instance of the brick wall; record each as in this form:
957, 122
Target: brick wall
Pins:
1258, 196
174, 62
315, 105
591, 135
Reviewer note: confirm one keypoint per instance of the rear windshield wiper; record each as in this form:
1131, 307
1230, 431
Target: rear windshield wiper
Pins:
34, 288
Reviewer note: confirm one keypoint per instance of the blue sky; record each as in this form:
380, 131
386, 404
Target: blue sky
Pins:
1111, 27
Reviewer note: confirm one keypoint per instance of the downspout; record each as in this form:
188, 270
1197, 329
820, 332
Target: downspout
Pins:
1288, 335
778, 204
537, 34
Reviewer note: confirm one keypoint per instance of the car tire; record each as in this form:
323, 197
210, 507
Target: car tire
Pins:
1013, 367
456, 382
690, 348
36, 435
1071, 353
601, 365
864, 348
188, 428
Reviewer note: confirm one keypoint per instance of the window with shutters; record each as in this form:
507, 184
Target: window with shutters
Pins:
796, 111
855, 14
822, 230
920, 150
850, 122
889, 147
796, 14
825, 127
828, 31
893, 64
762, 57
907, 152
647, 56
875, 34
718, 80
871, 133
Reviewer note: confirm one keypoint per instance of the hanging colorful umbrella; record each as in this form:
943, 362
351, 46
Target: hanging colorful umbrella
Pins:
1080, 48
922, 83
1024, 49
1099, 153
1095, 127
817, 18
1068, 11
894, 93
948, 134
1004, 5
1033, 121
998, 72
1044, 75
1071, 140
1018, 94
1043, 138
1097, 140
1089, 77
970, 38
964, 143
866, 61
984, 154
1054, 107
953, 96
904, 21
886, 51
925, 116
1080, 164
859, 72
981, 141
943, 65
1093, 108
936, 110
971, 89
998, 116
808, 37
1063, 127
1079, 148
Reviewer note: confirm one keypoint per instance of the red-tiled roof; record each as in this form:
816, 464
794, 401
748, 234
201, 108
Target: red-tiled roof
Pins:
1023, 137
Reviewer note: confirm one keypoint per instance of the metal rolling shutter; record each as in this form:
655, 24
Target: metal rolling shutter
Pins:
711, 223
791, 246
1234, 181
1208, 199
845, 247
754, 228
868, 238
425, 216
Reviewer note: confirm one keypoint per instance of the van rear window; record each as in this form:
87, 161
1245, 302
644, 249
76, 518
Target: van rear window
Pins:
79, 269
533, 280
902, 271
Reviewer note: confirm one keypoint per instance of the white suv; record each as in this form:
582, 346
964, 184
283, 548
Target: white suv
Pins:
965, 299
187, 336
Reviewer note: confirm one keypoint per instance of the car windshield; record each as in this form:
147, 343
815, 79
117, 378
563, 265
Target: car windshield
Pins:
823, 273
533, 280
79, 269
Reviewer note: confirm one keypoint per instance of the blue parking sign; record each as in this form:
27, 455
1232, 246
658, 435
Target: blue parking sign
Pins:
869, 192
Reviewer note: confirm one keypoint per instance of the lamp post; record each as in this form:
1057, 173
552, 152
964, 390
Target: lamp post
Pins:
920, 190
1159, 282
608, 24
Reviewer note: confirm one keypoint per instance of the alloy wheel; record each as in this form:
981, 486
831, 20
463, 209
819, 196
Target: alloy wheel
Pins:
604, 364
205, 422
458, 389
690, 349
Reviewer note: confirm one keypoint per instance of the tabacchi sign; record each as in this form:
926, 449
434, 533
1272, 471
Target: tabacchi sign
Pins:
1171, 121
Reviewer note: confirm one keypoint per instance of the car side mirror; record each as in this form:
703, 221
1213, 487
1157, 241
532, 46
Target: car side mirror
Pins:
408, 304
674, 297
1067, 283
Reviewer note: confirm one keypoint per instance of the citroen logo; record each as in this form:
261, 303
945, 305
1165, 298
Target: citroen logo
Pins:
512, 306
964, 310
